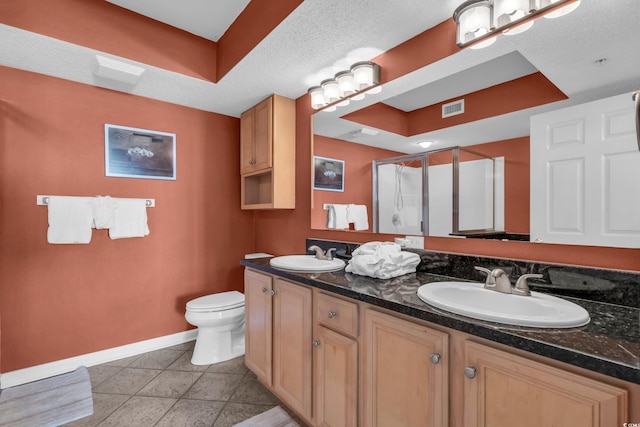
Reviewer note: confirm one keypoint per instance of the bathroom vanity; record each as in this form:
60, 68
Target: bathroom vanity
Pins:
347, 350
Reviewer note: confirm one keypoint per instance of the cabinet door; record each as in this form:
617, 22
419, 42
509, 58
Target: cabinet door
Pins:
263, 135
402, 386
292, 345
247, 123
509, 390
258, 332
336, 363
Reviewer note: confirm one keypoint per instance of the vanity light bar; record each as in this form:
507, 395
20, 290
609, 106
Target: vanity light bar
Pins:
479, 22
363, 77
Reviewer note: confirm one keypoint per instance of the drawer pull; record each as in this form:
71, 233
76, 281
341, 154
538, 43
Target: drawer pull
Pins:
316, 343
435, 358
470, 372
332, 314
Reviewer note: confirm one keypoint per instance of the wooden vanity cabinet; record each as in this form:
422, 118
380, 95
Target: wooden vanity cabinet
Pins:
405, 373
335, 361
278, 337
341, 362
267, 154
504, 389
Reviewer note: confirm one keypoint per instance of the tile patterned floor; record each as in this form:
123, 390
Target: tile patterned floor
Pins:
163, 389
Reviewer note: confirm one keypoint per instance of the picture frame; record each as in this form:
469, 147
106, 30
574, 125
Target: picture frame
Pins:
139, 153
328, 174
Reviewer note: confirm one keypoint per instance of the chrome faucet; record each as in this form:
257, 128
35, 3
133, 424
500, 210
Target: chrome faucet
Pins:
498, 280
328, 256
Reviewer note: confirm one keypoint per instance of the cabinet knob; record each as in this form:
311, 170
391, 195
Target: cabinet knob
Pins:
332, 314
469, 372
274, 292
264, 290
435, 358
316, 343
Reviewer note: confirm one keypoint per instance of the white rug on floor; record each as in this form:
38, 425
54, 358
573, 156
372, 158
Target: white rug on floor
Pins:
274, 417
49, 402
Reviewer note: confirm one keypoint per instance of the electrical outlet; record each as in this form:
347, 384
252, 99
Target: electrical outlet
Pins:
416, 242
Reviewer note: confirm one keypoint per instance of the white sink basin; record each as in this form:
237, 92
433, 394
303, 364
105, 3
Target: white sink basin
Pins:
306, 264
472, 300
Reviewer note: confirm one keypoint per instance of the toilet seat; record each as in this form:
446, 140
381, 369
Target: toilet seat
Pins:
217, 302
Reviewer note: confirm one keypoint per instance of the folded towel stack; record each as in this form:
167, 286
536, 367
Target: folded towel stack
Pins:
382, 260
340, 216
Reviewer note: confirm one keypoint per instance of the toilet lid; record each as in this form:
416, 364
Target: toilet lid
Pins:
215, 302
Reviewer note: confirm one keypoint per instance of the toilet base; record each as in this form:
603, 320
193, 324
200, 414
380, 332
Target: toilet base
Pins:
214, 347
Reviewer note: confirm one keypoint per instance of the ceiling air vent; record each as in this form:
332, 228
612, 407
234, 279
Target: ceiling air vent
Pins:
453, 108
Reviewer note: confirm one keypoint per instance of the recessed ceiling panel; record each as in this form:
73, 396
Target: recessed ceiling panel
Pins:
204, 18
502, 69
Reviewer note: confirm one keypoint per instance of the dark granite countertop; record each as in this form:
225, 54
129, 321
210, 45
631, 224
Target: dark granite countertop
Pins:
609, 344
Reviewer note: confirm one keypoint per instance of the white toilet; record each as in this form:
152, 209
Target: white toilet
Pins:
220, 321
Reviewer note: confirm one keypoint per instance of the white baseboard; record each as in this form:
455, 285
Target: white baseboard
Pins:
38, 372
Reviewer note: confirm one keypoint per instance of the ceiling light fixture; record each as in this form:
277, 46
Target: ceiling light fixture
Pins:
425, 144
363, 77
479, 22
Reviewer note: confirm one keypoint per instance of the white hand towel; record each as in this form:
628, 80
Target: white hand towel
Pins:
331, 217
357, 214
130, 219
70, 219
337, 217
103, 212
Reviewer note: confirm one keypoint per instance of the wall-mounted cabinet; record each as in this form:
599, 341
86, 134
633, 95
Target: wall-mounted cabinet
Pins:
267, 154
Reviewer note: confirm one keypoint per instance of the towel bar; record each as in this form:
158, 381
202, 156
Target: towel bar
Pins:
44, 200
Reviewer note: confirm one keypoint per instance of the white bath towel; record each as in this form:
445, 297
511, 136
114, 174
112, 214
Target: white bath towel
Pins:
104, 210
337, 217
70, 219
357, 214
382, 260
130, 219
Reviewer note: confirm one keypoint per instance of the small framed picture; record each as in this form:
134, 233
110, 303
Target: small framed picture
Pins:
139, 153
328, 174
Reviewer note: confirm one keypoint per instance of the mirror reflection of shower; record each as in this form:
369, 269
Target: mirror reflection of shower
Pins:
400, 197
448, 192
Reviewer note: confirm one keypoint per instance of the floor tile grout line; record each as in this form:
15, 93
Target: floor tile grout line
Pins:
229, 400
131, 395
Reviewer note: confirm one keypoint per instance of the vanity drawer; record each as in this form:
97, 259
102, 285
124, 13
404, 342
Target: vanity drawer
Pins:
337, 314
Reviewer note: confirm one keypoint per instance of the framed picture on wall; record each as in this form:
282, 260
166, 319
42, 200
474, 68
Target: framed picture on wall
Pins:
328, 174
139, 153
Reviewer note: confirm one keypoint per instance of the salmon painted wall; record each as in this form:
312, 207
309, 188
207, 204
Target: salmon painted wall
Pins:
59, 301
357, 181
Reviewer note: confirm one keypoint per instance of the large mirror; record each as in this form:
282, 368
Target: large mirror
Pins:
558, 63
